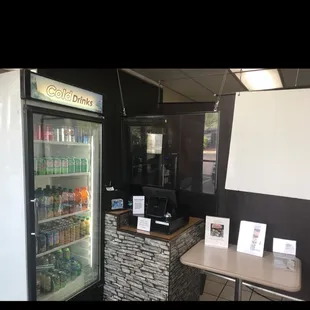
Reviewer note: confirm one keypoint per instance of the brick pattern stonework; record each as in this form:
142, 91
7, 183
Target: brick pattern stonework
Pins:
184, 281
140, 268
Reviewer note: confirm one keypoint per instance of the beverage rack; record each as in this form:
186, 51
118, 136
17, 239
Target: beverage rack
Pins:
60, 231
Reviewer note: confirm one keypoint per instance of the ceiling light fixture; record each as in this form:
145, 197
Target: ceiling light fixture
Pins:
258, 79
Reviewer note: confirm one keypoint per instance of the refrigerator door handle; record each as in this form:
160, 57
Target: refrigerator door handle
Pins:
35, 210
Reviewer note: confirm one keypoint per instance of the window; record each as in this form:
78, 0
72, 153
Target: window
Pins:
209, 156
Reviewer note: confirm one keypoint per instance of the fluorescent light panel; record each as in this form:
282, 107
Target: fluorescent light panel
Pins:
258, 79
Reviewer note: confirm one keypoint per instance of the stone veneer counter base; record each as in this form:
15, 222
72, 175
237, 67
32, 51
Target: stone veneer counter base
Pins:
146, 266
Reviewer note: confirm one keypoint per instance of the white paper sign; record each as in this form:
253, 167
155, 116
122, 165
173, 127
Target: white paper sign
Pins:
154, 143
217, 231
284, 253
138, 204
251, 239
284, 246
144, 223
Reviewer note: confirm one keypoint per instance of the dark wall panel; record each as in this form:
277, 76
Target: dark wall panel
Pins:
286, 218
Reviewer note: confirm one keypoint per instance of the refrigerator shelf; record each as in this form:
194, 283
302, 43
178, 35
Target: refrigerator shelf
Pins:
62, 175
62, 246
62, 216
61, 143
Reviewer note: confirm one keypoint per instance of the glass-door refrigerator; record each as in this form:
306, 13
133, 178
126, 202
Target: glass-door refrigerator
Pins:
63, 130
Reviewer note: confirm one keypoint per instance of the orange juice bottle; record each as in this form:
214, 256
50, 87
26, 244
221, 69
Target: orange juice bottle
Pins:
78, 200
84, 197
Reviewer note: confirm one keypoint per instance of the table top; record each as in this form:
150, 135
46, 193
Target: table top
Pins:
242, 266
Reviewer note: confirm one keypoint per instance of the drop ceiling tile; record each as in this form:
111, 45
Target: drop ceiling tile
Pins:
171, 96
202, 72
161, 74
214, 83
187, 87
289, 77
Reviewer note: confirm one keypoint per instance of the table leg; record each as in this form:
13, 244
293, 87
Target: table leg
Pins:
238, 290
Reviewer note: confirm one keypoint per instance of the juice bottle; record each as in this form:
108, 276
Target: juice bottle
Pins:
87, 225
57, 202
42, 214
77, 227
78, 197
82, 228
65, 202
48, 201
71, 200
84, 197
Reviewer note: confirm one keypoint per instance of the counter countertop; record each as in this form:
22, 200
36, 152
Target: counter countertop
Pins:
153, 234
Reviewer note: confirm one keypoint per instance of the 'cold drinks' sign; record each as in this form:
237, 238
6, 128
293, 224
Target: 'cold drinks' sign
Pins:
46, 89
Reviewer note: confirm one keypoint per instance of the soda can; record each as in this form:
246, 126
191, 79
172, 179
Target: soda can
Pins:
77, 163
57, 134
57, 165
47, 132
69, 134
72, 134
66, 132
71, 165
42, 166
77, 133
49, 165
62, 137
64, 166
84, 165
85, 138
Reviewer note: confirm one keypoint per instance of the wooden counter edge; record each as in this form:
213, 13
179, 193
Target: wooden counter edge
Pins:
157, 235
117, 212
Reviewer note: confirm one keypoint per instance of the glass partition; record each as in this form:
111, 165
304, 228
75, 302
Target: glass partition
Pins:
174, 151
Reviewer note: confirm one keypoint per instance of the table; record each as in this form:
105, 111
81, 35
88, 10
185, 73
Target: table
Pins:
229, 262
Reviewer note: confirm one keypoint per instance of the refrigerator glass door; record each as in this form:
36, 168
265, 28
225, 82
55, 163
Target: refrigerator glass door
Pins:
67, 205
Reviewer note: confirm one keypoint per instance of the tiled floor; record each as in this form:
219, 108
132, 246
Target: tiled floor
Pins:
219, 289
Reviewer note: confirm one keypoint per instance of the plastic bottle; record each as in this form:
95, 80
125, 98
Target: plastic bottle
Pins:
57, 203
74, 269
87, 226
42, 214
84, 198
48, 201
71, 200
65, 202
67, 254
82, 228
78, 200
77, 226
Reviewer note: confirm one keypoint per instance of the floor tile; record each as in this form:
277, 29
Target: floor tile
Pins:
245, 288
213, 288
268, 295
231, 283
207, 297
222, 299
228, 293
217, 279
256, 297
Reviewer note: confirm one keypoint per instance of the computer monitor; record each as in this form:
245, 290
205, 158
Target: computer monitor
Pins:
152, 192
